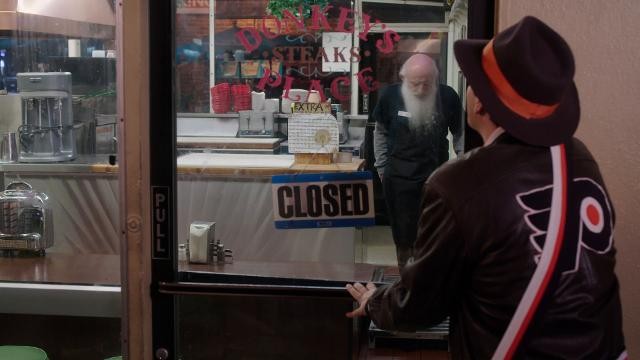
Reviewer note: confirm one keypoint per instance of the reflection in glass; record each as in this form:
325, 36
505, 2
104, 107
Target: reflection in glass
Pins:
240, 70
57, 76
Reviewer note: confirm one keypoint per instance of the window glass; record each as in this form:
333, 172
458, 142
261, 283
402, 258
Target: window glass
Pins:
59, 236
241, 68
401, 12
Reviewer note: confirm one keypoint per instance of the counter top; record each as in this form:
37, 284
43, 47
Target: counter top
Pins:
359, 119
219, 164
89, 285
251, 278
104, 270
218, 142
255, 165
346, 272
70, 269
61, 284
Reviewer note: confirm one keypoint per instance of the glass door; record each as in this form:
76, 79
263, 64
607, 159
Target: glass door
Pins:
262, 202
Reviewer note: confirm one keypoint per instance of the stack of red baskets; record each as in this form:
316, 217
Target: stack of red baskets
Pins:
221, 98
241, 97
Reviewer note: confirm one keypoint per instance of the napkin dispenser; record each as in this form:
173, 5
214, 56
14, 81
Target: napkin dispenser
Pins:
201, 242
202, 248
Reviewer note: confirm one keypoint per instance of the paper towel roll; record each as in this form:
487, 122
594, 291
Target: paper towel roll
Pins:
298, 95
314, 97
286, 105
98, 53
74, 48
268, 121
295, 95
271, 105
257, 101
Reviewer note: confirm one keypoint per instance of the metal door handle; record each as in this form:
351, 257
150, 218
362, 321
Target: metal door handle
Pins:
162, 354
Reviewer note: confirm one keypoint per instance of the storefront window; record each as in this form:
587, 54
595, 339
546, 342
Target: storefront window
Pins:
273, 49
244, 70
405, 12
59, 213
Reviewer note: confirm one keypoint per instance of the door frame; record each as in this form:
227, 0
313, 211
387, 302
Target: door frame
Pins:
146, 67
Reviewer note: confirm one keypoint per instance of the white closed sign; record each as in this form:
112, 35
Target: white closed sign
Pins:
323, 200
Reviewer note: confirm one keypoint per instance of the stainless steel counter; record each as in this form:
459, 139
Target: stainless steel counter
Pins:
83, 164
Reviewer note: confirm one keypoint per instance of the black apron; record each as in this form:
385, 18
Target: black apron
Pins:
416, 153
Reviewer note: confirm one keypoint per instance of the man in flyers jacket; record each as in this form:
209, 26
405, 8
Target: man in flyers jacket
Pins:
515, 239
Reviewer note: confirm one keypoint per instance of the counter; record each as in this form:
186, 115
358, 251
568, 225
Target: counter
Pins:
61, 284
89, 285
62, 298
283, 273
228, 143
234, 190
193, 163
288, 305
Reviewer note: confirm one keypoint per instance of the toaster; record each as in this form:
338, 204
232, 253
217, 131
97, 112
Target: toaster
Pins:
26, 221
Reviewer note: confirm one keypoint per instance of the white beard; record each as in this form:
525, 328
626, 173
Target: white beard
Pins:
422, 110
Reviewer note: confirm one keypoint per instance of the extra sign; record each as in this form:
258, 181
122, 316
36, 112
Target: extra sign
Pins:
323, 200
311, 108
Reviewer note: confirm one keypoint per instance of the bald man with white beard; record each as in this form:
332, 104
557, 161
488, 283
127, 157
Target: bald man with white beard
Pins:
410, 141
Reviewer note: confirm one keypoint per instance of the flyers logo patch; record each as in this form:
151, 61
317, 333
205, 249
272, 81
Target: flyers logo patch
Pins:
589, 221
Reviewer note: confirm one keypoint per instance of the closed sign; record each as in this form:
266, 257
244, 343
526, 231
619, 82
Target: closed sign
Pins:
323, 200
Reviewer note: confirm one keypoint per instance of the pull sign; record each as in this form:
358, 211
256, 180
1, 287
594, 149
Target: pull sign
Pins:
161, 222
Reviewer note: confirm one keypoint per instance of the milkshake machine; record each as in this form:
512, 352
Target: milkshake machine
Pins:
46, 133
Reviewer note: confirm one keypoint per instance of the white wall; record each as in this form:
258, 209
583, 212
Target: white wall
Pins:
604, 39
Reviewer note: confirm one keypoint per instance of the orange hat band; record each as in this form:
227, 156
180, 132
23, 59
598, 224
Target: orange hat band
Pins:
507, 94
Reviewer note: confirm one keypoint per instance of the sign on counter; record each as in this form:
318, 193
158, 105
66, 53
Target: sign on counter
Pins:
313, 134
323, 200
311, 108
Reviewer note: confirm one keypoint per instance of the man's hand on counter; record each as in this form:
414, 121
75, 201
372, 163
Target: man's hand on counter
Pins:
361, 294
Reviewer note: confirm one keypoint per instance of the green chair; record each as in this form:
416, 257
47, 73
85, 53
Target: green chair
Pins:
12, 352
114, 358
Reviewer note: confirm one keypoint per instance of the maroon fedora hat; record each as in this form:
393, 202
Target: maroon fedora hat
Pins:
524, 79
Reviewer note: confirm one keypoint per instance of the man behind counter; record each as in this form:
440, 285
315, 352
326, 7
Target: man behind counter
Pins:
410, 142
515, 242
